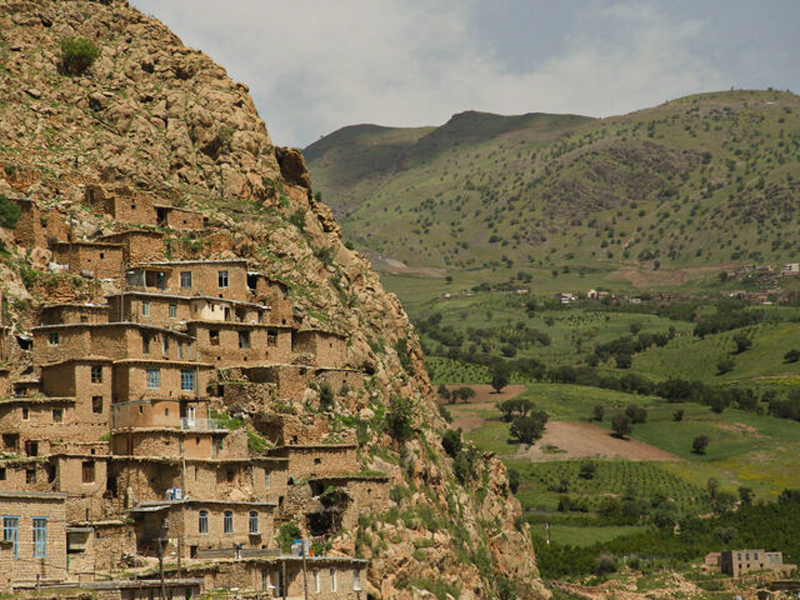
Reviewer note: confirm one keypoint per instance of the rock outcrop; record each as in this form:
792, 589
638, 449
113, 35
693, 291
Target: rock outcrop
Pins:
154, 120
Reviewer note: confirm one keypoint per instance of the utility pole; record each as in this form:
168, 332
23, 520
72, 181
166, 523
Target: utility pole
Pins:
305, 577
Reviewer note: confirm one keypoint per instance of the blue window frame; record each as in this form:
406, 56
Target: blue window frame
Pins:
227, 522
202, 525
11, 533
253, 521
39, 537
187, 380
153, 379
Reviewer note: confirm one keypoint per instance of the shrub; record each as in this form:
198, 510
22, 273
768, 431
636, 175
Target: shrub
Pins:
587, 471
398, 418
700, 444
77, 54
621, 425
9, 212
677, 416
530, 428
513, 480
451, 442
325, 396
287, 533
598, 412
792, 356
725, 366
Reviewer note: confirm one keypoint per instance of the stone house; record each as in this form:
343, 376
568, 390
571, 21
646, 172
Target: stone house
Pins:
101, 260
124, 206
62, 314
327, 349
216, 278
35, 524
35, 226
182, 219
318, 460
138, 245
740, 562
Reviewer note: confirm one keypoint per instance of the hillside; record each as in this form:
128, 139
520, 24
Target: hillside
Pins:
154, 140
687, 188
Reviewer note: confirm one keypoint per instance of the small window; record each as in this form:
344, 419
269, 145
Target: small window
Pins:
317, 461
202, 524
145, 343
222, 279
227, 522
52, 338
272, 337
173, 311
146, 308
187, 380
97, 374
39, 537
315, 575
153, 379
102, 255
97, 405
180, 350
356, 581
87, 469
2, 473
266, 478
58, 415
26, 413
244, 339
30, 475
164, 344
213, 337
253, 521
333, 579
186, 279
11, 533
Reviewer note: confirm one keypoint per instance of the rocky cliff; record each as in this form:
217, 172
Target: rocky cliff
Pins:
152, 118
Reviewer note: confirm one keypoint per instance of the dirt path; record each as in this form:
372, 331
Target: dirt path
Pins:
584, 440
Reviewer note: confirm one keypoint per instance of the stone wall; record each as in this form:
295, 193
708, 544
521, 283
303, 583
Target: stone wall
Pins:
138, 245
221, 344
329, 350
99, 260
319, 460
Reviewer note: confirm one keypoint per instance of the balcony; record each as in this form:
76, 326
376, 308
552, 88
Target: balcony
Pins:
193, 424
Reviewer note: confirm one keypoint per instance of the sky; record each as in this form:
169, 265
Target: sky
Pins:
314, 66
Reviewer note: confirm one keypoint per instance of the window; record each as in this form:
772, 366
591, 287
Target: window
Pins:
58, 415
97, 374
227, 522
173, 311
145, 343
87, 469
153, 379
356, 581
2, 473
97, 405
264, 580
11, 533
164, 344
39, 537
30, 475
272, 337
146, 308
333, 579
213, 337
253, 521
26, 413
186, 279
180, 350
52, 338
202, 524
187, 380
222, 279
315, 575
266, 478
244, 339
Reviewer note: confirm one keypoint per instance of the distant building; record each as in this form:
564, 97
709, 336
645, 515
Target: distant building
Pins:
739, 562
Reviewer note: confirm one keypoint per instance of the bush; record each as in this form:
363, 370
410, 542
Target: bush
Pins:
451, 442
587, 471
725, 366
677, 416
77, 54
621, 425
700, 444
325, 396
398, 418
598, 412
530, 428
287, 533
792, 356
9, 212
513, 480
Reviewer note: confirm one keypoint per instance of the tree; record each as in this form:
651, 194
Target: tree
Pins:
9, 212
444, 393
77, 55
746, 495
792, 356
451, 442
598, 412
398, 418
743, 342
712, 485
725, 365
325, 396
513, 480
499, 380
528, 429
621, 425
677, 416
463, 393
636, 414
700, 444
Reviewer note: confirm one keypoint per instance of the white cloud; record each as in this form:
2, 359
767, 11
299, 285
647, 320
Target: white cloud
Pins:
313, 66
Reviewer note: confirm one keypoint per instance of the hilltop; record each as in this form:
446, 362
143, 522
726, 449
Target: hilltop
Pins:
154, 142
690, 187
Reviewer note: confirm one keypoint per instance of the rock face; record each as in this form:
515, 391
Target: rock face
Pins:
153, 120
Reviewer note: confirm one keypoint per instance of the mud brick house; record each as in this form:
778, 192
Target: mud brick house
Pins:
740, 562
217, 278
61, 314
328, 349
35, 525
36, 227
101, 260
124, 206
181, 219
138, 245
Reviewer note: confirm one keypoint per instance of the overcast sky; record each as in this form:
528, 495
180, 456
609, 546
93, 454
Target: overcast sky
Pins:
314, 66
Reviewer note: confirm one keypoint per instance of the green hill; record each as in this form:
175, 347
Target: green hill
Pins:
692, 185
